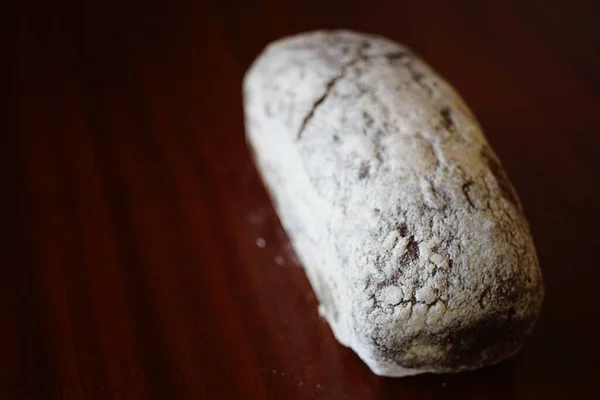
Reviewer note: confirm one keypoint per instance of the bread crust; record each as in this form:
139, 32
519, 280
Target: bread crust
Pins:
412, 236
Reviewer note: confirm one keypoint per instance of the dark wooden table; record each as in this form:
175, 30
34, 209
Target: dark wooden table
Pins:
131, 210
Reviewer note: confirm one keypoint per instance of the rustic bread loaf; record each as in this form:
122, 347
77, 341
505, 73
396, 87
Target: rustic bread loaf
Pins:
411, 234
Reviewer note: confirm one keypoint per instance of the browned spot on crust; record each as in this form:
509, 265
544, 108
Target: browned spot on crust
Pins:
398, 55
465, 189
504, 185
363, 171
402, 229
447, 121
411, 253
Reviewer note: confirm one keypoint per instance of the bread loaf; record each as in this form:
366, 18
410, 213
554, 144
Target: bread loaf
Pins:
410, 233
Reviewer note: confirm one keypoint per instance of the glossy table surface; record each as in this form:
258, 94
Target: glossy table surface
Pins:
134, 220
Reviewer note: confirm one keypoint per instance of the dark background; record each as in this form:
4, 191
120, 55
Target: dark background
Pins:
131, 209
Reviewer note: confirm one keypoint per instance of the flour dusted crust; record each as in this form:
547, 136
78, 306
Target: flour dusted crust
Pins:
410, 233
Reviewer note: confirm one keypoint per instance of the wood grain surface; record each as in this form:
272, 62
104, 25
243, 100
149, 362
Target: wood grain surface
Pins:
131, 209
